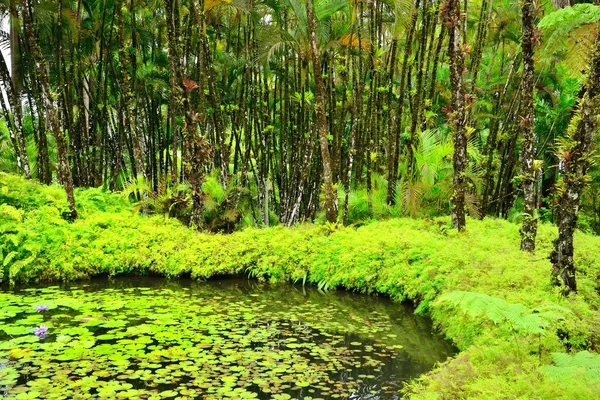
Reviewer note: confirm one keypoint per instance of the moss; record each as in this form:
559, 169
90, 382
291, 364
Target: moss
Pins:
406, 259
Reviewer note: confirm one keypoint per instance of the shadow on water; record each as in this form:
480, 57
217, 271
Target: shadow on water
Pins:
148, 337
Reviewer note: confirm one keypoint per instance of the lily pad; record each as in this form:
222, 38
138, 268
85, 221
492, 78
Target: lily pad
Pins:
159, 339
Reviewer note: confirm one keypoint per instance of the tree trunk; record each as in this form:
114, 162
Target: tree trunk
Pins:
11, 86
199, 150
490, 146
331, 207
452, 18
576, 160
15, 50
397, 121
15, 119
419, 95
64, 169
128, 80
529, 228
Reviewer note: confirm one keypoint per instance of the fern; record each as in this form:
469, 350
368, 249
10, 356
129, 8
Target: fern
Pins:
517, 316
569, 33
566, 365
570, 17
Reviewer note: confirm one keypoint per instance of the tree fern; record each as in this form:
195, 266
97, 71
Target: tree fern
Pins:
569, 33
567, 365
516, 316
568, 18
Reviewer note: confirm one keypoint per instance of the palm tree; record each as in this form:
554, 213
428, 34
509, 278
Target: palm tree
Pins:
11, 86
331, 207
576, 158
14, 120
308, 33
64, 169
452, 18
127, 61
529, 228
396, 125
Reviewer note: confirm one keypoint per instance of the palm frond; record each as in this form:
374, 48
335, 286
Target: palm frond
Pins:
412, 193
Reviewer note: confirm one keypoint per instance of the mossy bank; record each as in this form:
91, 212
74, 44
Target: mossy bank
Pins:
519, 337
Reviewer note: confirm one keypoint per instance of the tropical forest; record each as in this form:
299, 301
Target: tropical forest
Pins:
300, 199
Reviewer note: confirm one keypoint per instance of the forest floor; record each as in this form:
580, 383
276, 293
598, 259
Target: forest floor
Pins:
496, 303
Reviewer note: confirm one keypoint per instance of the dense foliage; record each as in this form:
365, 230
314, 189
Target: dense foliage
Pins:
511, 323
170, 91
233, 115
287, 104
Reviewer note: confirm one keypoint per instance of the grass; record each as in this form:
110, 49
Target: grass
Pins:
493, 301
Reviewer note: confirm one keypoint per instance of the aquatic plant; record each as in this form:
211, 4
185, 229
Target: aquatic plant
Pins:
41, 331
228, 339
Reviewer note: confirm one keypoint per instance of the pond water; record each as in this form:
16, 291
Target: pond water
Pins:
152, 338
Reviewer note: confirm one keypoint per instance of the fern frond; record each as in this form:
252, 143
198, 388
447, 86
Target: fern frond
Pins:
569, 33
565, 365
516, 316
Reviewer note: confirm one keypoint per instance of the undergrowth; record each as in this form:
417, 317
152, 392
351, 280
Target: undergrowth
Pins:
518, 337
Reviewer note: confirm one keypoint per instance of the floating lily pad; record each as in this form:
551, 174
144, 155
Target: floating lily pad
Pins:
157, 339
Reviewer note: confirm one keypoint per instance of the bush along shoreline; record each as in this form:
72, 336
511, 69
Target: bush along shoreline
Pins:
518, 336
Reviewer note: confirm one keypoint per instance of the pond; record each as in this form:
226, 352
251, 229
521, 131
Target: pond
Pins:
153, 338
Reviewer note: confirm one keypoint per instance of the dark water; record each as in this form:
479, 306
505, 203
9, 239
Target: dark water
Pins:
228, 338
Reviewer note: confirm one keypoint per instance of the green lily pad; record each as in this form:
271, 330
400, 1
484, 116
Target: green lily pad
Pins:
207, 340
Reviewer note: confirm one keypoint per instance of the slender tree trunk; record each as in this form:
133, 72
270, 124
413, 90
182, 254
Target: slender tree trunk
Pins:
39, 136
11, 132
199, 150
453, 18
62, 99
128, 80
64, 169
490, 146
529, 228
397, 122
13, 87
213, 98
357, 89
170, 6
15, 48
390, 134
477, 53
576, 160
436, 60
331, 206
419, 95
16, 116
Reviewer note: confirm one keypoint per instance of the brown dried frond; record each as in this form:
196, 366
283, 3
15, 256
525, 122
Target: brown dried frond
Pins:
189, 85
